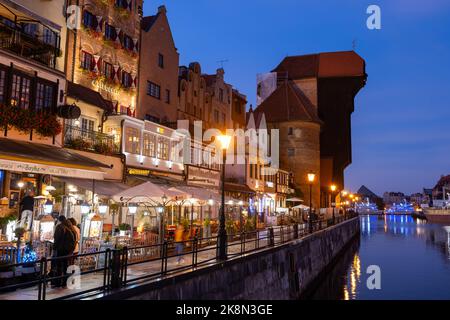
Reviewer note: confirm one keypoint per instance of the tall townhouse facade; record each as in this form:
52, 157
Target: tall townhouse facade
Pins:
33, 102
238, 109
193, 96
102, 75
158, 74
219, 100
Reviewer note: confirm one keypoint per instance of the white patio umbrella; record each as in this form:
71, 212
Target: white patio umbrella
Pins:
294, 200
146, 192
301, 206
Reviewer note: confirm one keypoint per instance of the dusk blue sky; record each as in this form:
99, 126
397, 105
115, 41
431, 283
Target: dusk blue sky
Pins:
401, 123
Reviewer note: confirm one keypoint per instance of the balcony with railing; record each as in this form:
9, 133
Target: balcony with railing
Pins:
87, 140
31, 40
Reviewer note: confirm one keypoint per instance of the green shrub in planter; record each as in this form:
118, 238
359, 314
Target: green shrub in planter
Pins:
124, 227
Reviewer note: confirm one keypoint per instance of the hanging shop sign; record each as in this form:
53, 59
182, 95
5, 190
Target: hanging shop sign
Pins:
101, 85
203, 177
138, 172
37, 168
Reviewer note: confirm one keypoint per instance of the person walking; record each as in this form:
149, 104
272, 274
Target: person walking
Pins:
77, 235
179, 245
64, 245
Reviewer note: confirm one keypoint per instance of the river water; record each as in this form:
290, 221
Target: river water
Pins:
413, 257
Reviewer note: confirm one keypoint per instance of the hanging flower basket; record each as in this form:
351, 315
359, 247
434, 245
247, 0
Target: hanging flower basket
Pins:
23, 120
6, 114
48, 125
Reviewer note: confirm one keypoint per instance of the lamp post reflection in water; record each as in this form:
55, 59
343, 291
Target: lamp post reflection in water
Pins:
354, 279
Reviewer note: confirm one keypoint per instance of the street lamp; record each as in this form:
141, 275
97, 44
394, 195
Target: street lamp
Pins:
132, 208
103, 208
162, 213
241, 218
20, 184
48, 206
333, 200
311, 178
224, 141
85, 208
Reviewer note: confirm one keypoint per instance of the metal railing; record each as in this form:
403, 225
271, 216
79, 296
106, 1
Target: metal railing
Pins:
43, 49
122, 267
88, 140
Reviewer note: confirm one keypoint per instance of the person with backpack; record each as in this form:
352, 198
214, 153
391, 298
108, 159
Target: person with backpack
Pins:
64, 246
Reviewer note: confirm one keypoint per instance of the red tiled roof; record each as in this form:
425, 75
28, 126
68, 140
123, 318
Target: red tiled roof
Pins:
288, 103
323, 65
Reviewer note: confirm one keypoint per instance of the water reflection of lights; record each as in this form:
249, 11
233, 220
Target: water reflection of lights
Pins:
354, 277
346, 295
357, 266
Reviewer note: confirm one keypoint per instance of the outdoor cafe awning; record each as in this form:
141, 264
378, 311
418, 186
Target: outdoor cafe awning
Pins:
102, 188
147, 192
23, 156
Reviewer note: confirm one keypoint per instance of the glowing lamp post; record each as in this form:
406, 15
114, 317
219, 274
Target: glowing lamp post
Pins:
224, 141
132, 209
333, 200
48, 206
103, 208
85, 208
311, 178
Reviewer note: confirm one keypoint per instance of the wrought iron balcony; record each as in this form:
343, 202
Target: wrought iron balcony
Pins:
40, 44
87, 140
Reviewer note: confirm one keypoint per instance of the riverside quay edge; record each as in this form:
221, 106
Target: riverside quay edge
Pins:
140, 159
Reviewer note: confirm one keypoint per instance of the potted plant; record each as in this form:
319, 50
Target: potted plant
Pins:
103, 148
19, 233
207, 228
249, 224
123, 228
230, 227
185, 224
5, 220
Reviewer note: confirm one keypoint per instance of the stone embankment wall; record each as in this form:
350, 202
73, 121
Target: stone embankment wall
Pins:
281, 273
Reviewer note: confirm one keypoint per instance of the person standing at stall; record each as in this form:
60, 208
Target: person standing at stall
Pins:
77, 235
64, 245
